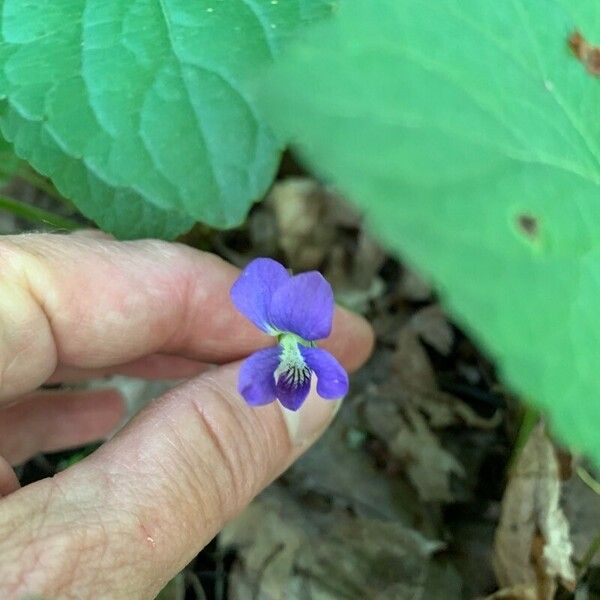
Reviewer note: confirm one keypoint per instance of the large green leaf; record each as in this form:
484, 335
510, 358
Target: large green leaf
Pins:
138, 109
470, 135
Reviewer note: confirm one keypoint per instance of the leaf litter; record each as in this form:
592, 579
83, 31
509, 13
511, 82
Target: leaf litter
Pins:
401, 496
533, 548
289, 548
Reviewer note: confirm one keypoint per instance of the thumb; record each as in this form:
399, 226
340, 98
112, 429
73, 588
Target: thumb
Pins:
153, 496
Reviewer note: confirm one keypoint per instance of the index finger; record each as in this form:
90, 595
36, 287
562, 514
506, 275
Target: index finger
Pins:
91, 303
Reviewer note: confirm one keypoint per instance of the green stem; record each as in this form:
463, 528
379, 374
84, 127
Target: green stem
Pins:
37, 215
530, 419
34, 179
39, 182
593, 548
587, 478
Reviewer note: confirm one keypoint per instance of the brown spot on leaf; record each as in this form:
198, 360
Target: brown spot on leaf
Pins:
588, 54
528, 225
577, 44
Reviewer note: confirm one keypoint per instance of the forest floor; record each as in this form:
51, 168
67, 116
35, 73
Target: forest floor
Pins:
433, 482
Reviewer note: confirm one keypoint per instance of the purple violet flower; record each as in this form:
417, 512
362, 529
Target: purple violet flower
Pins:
297, 310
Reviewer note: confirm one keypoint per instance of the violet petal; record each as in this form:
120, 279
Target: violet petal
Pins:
303, 305
292, 393
332, 379
254, 288
256, 382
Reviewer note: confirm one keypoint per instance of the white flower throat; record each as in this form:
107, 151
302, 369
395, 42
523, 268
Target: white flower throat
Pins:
292, 369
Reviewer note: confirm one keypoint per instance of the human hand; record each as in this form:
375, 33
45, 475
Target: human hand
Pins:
122, 522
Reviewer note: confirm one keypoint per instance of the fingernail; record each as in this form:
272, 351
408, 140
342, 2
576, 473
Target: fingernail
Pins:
307, 423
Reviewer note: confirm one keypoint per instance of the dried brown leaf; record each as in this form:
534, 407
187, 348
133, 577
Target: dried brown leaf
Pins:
415, 377
410, 439
431, 324
365, 558
368, 260
353, 272
428, 465
517, 592
267, 535
409, 406
339, 468
582, 509
413, 287
286, 551
532, 545
306, 234
312, 222
411, 364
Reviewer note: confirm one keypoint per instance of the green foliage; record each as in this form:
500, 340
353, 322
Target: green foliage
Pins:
139, 111
470, 135
37, 215
174, 590
9, 163
69, 458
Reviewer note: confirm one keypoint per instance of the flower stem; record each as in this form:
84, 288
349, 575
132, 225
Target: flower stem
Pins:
37, 215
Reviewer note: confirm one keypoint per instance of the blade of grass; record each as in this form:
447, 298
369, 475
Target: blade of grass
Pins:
37, 215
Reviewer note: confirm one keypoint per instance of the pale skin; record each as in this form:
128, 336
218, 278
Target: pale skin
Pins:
122, 522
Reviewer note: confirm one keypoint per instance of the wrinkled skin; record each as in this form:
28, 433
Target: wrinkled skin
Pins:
122, 522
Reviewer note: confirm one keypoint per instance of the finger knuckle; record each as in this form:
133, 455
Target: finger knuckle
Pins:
243, 449
17, 261
28, 352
